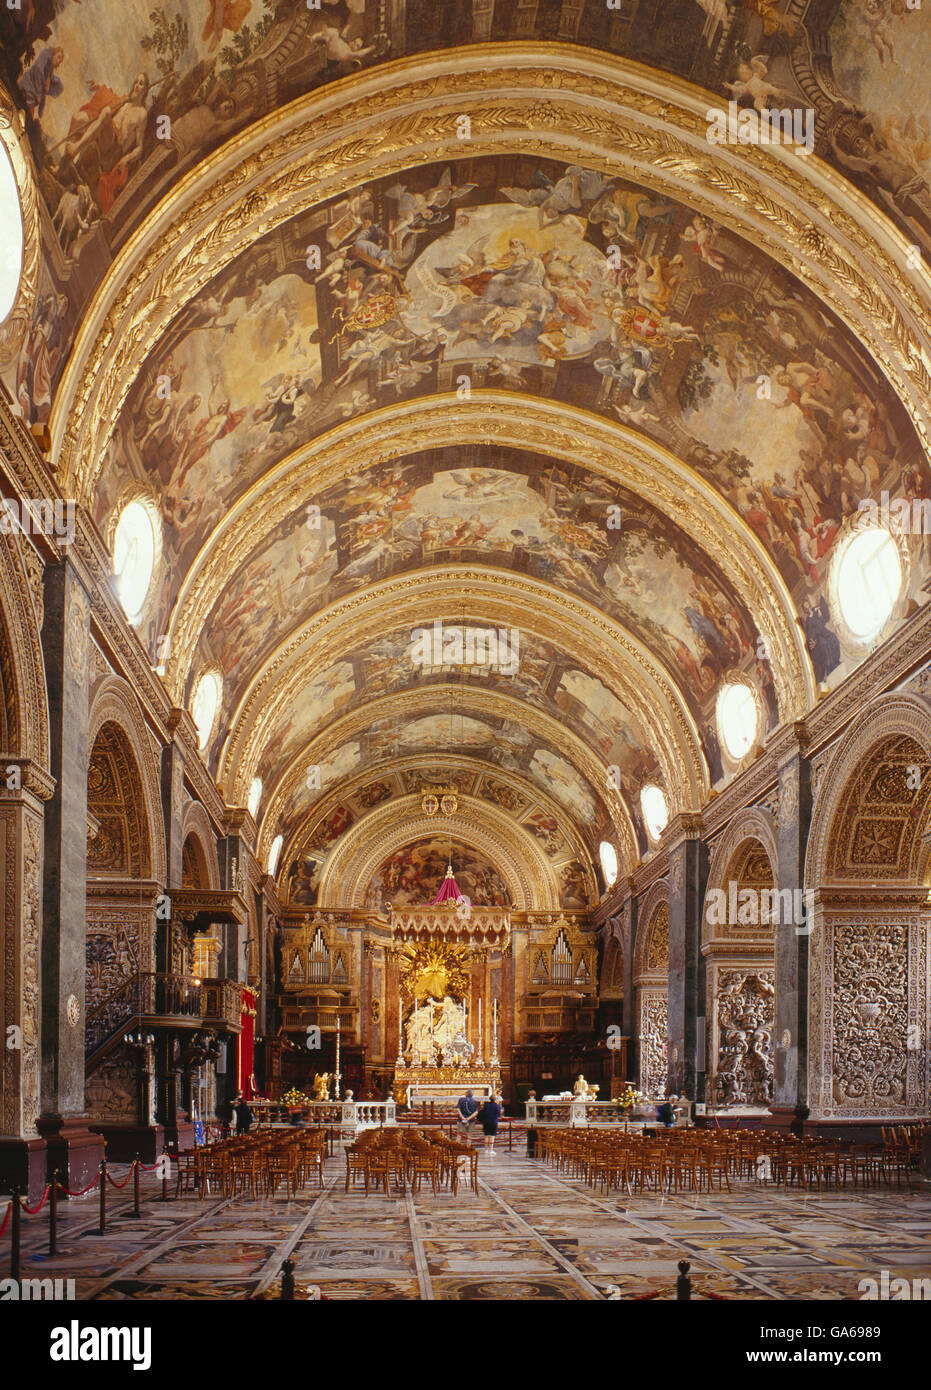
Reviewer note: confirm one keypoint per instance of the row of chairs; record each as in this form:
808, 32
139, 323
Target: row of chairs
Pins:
393, 1158
700, 1160
254, 1164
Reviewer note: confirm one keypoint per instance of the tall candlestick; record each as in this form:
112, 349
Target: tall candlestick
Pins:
479, 1057
400, 1058
337, 1078
494, 1032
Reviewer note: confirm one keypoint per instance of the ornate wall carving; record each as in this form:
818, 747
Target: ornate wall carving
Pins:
652, 1029
744, 1014
873, 1067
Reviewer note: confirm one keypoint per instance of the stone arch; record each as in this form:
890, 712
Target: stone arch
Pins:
116, 708
869, 999
199, 849
612, 970
527, 872
740, 977
746, 853
653, 910
902, 718
26, 715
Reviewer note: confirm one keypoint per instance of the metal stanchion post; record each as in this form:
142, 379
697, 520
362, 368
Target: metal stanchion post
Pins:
683, 1283
103, 1198
16, 1217
53, 1215
136, 1171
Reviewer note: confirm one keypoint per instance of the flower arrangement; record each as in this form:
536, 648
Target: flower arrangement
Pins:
295, 1097
630, 1097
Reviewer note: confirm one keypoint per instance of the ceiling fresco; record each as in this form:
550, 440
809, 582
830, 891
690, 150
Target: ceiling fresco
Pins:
527, 515
543, 678
122, 99
500, 742
539, 278
538, 816
548, 283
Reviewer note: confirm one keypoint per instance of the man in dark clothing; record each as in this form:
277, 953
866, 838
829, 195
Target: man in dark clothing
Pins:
466, 1111
244, 1115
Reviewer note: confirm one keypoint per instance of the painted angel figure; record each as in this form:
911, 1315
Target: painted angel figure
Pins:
751, 82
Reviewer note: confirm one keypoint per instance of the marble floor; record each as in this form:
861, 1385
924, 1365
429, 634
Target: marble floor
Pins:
529, 1233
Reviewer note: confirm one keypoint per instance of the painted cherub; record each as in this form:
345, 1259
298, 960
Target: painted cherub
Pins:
751, 82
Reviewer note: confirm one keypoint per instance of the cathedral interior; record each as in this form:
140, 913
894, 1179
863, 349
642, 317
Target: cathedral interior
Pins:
464, 565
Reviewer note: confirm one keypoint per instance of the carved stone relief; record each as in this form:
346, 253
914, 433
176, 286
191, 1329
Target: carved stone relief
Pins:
654, 1022
744, 1010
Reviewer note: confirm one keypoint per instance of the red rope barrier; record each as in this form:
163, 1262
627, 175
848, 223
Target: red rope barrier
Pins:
84, 1190
645, 1297
113, 1182
34, 1211
148, 1167
6, 1220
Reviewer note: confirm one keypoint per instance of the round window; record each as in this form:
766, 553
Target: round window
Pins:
868, 579
204, 705
135, 546
738, 719
609, 862
655, 811
11, 235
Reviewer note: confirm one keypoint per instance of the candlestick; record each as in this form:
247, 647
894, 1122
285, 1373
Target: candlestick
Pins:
400, 1057
479, 1057
494, 1032
336, 1077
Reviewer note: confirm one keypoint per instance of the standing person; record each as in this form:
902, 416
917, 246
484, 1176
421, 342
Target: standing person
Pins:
465, 1111
491, 1114
243, 1113
667, 1112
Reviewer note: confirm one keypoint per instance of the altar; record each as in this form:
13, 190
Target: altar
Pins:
445, 1083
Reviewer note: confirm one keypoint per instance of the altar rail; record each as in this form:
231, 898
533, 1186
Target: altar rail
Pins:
581, 1112
350, 1113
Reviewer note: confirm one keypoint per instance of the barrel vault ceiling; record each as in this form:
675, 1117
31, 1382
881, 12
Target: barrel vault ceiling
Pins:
402, 313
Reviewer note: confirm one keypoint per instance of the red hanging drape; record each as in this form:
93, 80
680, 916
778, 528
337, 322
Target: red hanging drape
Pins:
246, 1044
449, 889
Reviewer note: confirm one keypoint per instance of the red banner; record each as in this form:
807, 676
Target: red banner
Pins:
246, 1068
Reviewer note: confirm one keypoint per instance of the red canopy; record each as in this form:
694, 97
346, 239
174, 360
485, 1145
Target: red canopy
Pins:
449, 889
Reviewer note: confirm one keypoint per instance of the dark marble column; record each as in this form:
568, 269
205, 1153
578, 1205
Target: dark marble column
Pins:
24, 787
172, 786
790, 1084
66, 649
688, 870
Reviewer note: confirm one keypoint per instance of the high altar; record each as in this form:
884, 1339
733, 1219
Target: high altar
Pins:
438, 1060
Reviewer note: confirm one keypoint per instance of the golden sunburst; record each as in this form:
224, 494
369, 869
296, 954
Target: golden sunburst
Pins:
435, 969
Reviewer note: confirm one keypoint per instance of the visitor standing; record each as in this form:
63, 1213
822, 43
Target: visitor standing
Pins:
491, 1114
466, 1111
